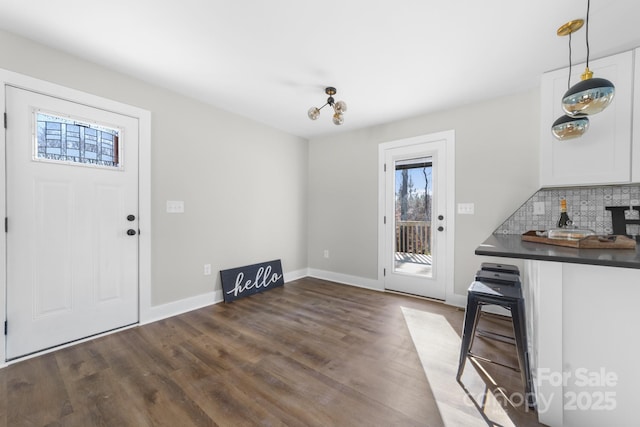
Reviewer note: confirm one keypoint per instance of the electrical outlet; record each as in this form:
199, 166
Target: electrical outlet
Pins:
326, 253
207, 269
538, 208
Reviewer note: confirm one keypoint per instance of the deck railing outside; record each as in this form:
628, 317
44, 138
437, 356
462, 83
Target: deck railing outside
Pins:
413, 237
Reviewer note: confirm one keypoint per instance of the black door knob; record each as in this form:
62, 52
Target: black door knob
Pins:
440, 217
131, 217
131, 232
441, 228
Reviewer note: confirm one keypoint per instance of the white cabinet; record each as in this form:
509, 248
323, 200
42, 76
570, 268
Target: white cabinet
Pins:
581, 322
635, 148
602, 154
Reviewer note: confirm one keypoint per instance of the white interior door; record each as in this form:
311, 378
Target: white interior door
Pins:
72, 214
415, 219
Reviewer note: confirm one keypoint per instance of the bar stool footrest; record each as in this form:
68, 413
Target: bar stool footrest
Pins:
495, 336
484, 359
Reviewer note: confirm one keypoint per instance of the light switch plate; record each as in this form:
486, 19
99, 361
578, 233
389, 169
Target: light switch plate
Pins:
175, 206
538, 208
466, 208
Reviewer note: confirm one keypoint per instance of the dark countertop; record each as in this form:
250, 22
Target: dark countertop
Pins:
512, 246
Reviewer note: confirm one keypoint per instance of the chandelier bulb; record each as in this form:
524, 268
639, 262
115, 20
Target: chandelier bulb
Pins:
340, 107
313, 113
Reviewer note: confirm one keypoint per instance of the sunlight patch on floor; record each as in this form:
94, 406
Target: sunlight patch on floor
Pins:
438, 347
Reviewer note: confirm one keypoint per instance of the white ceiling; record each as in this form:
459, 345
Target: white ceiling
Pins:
271, 60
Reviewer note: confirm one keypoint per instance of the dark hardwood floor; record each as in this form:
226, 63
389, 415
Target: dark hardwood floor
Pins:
311, 353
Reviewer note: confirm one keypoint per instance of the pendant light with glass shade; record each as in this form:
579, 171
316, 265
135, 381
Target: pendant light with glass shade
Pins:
588, 97
569, 127
591, 95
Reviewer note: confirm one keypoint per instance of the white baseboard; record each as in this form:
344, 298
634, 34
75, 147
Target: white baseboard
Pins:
346, 279
295, 275
456, 300
174, 308
185, 305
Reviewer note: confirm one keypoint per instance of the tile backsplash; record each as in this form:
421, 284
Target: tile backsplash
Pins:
585, 206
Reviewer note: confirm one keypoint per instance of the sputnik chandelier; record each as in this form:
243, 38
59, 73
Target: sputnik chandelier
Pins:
339, 108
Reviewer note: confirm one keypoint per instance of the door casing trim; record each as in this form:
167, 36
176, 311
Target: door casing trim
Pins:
10, 78
449, 138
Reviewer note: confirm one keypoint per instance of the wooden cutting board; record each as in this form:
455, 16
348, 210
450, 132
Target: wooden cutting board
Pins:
590, 242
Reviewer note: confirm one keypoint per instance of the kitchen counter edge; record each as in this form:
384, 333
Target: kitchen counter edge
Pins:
512, 246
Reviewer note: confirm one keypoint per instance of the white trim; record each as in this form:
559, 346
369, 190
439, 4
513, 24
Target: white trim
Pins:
456, 300
346, 279
3, 236
144, 183
144, 206
295, 275
185, 305
449, 138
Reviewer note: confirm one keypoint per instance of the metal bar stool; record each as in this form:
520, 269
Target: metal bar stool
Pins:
501, 288
500, 268
505, 274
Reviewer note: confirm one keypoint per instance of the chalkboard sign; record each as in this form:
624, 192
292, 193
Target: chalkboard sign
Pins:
251, 279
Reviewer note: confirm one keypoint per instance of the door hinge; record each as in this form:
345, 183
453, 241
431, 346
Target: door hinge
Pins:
385, 219
5, 120
384, 273
5, 327
6, 224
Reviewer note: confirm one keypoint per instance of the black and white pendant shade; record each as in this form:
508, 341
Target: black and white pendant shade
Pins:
588, 97
567, 127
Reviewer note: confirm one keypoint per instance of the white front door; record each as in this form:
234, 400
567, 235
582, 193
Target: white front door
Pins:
72, 216
416, 214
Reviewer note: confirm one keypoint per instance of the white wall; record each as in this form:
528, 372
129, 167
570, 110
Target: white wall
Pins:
213, 170
496, 168
244, 184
